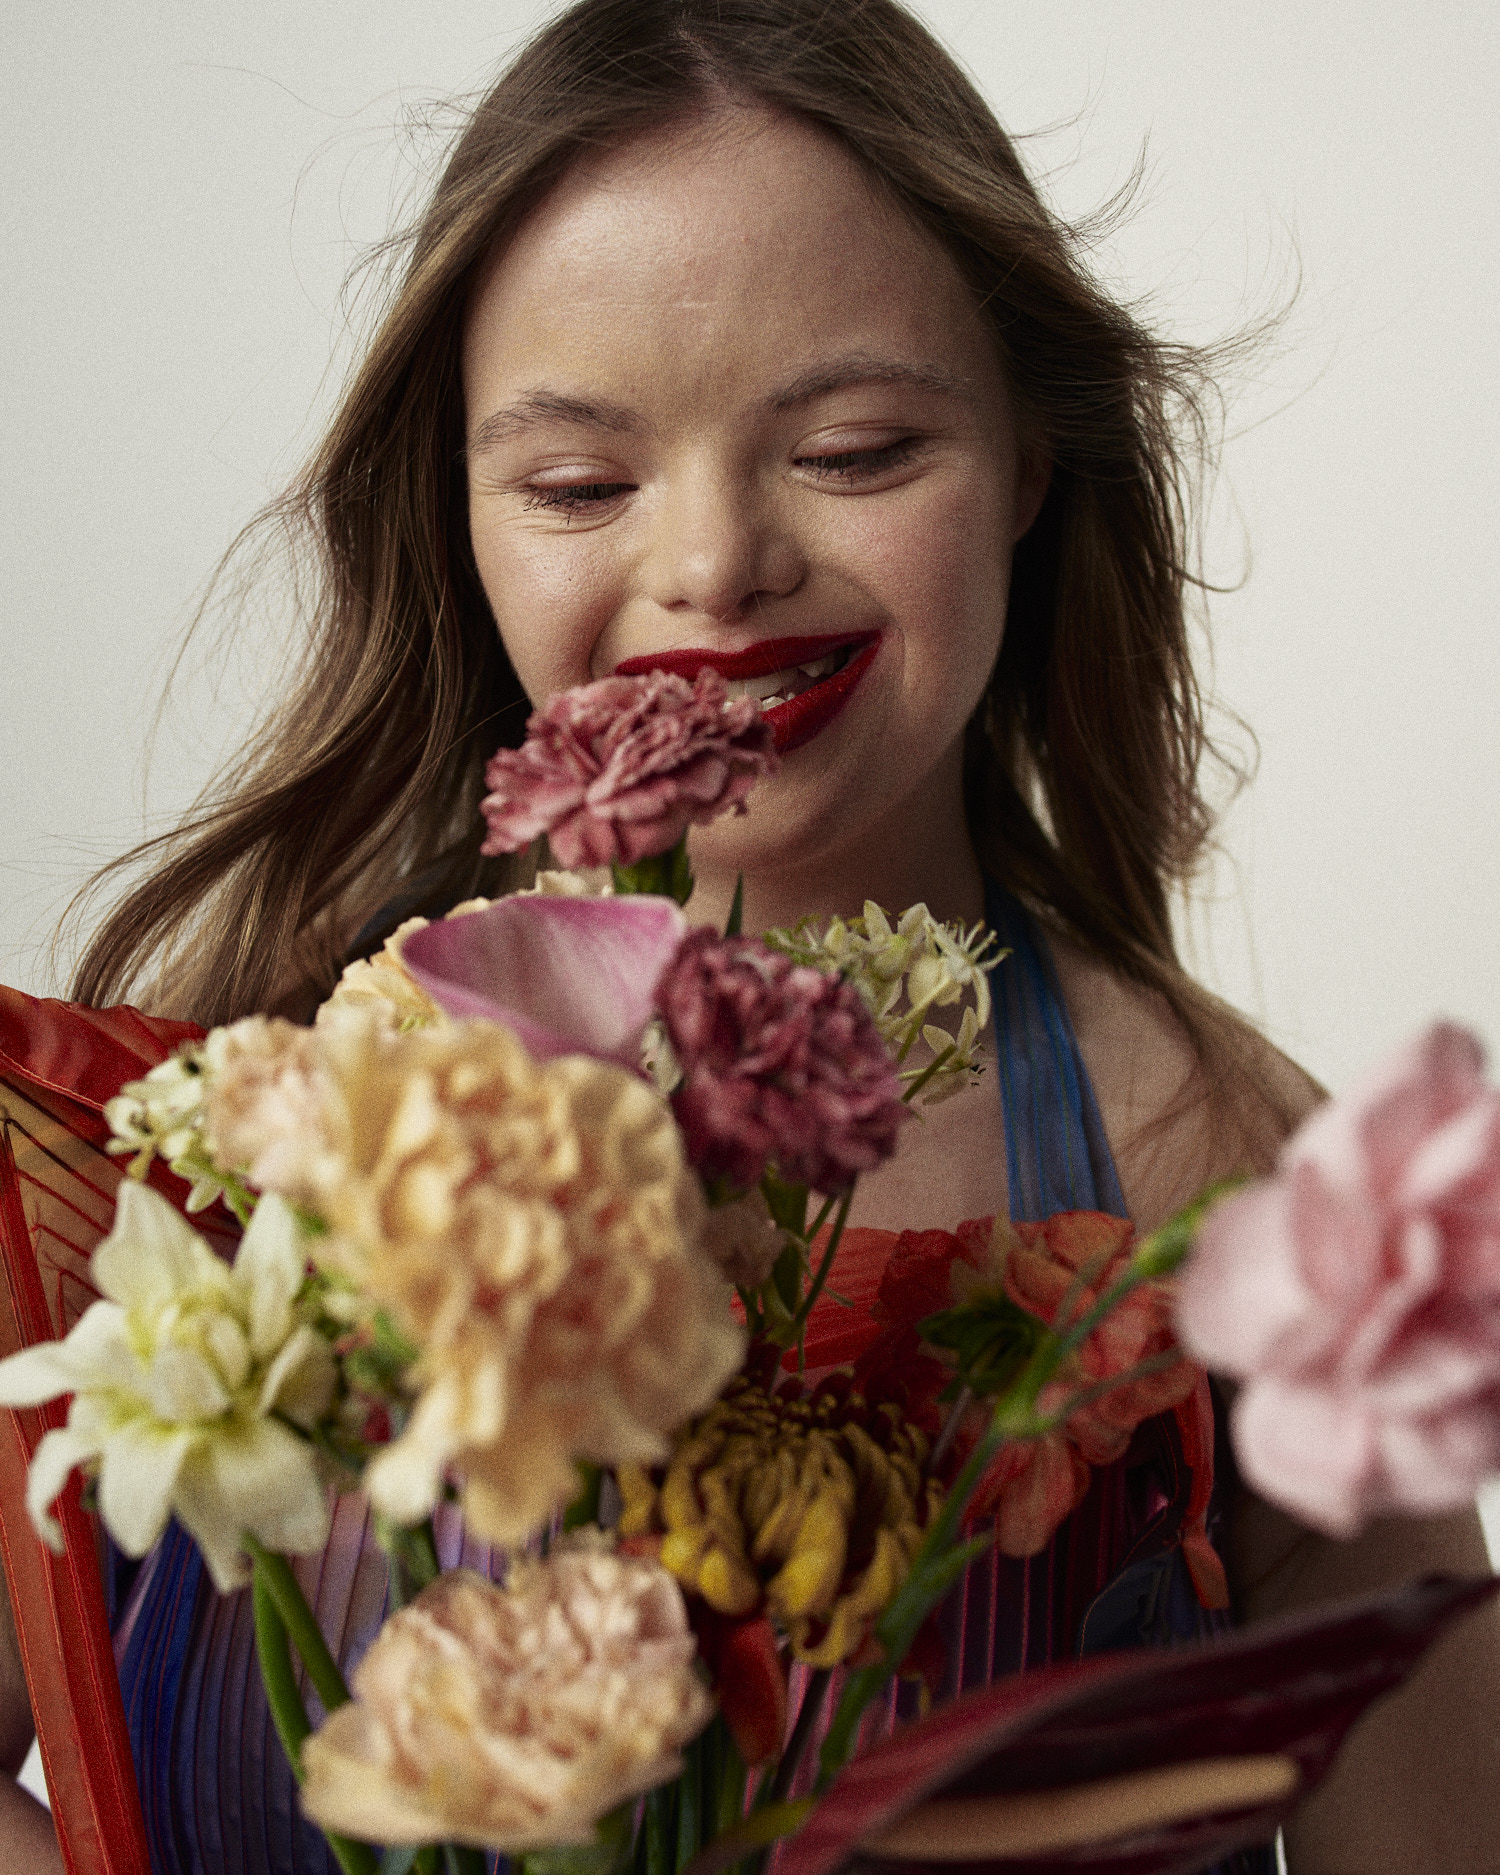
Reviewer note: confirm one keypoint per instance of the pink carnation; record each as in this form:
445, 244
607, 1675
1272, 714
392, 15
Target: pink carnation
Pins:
616, 771
779, 1062
1358, 1294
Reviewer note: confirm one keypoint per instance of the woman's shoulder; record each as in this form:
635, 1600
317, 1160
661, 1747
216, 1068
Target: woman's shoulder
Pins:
1181, 1107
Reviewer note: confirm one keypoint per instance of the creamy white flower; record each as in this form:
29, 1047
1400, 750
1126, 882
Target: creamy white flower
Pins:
161, 1116
182, 1378
588, 882
514, 1717
902, 972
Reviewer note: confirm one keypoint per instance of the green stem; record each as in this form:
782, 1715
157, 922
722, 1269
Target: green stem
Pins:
935, 1066
666, 875
815, 1287
460, 1859
660, 1831
689, 1806
288, 1714
275, 1573
761, 1827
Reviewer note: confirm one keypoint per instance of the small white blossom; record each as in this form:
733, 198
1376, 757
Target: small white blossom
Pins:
902, 972
161, 1116
182, 1378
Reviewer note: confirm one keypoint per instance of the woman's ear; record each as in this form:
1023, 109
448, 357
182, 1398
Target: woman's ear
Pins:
1033, 479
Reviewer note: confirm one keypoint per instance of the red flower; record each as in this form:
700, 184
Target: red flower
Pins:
618, 770
779, 1062
1032, 1485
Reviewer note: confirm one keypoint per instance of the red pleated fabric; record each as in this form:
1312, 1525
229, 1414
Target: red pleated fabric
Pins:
59, 1063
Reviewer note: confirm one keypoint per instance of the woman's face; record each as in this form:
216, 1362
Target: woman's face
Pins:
726, 405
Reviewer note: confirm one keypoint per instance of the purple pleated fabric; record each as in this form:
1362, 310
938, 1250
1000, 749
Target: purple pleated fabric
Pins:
217, 1792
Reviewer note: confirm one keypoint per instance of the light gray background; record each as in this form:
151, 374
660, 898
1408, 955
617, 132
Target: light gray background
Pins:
187, 186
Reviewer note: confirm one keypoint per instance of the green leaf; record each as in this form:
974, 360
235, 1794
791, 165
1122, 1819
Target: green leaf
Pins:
603, 1856
736, 909
585, 1507
787, 1203
991, 1339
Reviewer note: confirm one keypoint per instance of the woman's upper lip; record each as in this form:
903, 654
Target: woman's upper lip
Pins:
757, 660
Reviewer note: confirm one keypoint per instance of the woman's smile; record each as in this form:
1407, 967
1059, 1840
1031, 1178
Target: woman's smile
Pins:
801, 683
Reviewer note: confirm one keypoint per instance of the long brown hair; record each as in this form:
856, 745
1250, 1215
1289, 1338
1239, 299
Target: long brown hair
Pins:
1083, 764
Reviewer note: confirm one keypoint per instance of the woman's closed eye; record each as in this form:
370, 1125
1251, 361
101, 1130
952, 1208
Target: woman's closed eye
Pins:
857, 465
576, 497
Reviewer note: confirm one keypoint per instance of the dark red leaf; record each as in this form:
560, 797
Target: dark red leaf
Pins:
1291, 1686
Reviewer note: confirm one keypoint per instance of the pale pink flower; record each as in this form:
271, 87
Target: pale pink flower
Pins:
615, 771
1357, 1294
779, 1062
266, 1104
513, 1718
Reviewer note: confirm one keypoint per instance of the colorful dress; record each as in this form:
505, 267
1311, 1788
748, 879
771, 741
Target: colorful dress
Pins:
216, 1790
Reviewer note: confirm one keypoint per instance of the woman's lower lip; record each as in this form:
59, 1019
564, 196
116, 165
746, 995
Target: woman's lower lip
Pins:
802, 717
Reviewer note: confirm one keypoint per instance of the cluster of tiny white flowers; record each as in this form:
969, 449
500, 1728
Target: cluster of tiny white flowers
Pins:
903, 972
161, 1116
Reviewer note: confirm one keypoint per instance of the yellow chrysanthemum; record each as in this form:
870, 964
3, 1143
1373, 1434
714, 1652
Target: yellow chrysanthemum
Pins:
813, 1507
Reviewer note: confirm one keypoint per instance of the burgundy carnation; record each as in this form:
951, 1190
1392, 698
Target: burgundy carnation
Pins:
779, 1062
616, 771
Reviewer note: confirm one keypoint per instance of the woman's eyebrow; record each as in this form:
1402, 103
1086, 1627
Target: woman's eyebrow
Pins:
860, 368
544, 406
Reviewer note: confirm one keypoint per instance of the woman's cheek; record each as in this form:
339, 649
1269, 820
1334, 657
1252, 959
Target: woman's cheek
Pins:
553, 595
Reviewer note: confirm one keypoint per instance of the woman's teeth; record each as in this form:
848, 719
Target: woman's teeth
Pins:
779, 686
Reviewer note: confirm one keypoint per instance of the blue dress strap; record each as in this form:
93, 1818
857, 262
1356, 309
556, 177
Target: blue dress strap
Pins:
1056, 1155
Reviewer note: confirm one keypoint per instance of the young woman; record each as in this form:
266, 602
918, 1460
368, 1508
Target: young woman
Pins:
736, 335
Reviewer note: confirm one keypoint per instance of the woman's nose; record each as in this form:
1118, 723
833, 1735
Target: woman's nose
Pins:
718, 547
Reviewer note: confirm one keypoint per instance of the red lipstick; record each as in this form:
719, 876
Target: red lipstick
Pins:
800, 718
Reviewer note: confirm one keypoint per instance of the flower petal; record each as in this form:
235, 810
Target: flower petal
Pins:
60, 1451
152, 1254
271, 1262
260, 1478
568, 975
301, 1379
141, 1462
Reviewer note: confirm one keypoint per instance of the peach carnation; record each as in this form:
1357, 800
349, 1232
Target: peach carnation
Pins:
615, 771
268, 1110
516, 1717
532, 1228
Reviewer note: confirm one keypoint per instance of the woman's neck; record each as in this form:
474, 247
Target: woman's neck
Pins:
919, 854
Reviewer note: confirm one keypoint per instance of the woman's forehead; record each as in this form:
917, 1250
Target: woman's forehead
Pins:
751, 247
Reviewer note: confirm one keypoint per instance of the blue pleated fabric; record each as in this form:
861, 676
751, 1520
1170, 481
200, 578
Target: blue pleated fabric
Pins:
216, 1790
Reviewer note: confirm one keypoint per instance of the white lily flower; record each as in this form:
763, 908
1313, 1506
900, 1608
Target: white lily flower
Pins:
183, 1378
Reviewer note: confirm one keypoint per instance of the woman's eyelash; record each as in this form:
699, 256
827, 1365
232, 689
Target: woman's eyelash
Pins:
847, 464
854, 463
574, 497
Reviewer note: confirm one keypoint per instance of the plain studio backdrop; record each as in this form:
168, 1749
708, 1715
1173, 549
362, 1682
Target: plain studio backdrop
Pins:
187, 187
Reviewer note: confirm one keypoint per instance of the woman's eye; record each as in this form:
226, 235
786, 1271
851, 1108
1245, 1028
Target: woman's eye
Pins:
853, 465
576, 497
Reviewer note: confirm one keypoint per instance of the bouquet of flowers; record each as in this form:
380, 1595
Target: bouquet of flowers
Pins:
539, 1217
